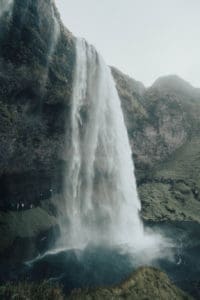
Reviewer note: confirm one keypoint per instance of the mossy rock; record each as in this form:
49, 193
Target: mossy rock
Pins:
21, 233
171, 192
31, 291
144, 284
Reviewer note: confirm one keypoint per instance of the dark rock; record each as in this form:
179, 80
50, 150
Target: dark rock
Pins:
35, 88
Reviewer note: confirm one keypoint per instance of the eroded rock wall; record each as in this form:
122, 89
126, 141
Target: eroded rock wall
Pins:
36, 69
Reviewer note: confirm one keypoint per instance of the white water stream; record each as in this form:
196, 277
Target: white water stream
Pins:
101, 200
101, 204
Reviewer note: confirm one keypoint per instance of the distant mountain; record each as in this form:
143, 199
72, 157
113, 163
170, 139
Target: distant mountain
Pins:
175, 84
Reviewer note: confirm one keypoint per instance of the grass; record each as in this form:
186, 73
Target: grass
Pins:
173, 191
31, 291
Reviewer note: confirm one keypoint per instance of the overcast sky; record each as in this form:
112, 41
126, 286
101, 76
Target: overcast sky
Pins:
143, 38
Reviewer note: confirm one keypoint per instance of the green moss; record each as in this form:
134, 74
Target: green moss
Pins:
23, 224
144, 284
183, 164
25, 291
172, 191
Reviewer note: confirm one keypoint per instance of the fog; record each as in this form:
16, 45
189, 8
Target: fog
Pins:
143, 38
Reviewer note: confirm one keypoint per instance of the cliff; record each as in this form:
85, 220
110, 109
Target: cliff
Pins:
36, 63
163, 126
36, 70
37, 58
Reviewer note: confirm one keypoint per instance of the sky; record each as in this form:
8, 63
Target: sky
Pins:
145, 39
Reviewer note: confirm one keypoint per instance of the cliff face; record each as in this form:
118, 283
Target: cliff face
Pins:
36, 64
163, 126
36, 69
159, 119
37, 58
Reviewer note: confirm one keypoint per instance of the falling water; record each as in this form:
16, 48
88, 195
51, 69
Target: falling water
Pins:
5, 6
102, 205
53, 40
55, 35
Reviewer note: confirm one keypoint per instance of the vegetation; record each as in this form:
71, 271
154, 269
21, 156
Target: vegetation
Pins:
30, 291
144, 284
172, 191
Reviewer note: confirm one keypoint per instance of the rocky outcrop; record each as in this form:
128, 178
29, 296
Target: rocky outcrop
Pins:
26, 234
145, 283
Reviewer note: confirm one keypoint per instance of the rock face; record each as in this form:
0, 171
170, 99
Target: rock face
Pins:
163, 126
36, 63
37, 56
36, 70
159, 119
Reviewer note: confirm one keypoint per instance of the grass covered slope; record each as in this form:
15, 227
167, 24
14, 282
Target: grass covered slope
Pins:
172, 190
144, 284
26, 291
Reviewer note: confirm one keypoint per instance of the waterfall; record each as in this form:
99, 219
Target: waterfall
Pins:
55, 35
101, 200
53, 41
5, 6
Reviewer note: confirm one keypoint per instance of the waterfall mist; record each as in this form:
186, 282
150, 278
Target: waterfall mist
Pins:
101, 201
